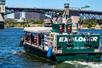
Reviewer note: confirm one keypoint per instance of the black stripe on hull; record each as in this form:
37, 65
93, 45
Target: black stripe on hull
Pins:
88, 57
36, 51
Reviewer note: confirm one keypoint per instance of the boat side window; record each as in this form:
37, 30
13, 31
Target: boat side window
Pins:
40, 38
26, 37
64, 20
35, 39
54, 20
59, 20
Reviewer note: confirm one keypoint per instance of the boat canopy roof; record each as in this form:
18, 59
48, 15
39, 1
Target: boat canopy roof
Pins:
38, 29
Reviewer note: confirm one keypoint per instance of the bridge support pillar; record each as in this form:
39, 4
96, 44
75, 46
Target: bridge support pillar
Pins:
2, 20
2, 12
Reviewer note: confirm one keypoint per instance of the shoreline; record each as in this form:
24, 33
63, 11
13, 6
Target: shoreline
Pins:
79, 28
91, 28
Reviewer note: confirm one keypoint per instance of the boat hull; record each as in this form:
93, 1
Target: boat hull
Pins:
57, 58
38, 52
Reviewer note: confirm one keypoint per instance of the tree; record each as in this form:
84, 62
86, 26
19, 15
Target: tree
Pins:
89, 23
10, 22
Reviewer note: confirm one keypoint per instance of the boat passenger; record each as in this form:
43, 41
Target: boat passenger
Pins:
54, 20
59, 20
64, 20
32, 38
27, 38
35, 40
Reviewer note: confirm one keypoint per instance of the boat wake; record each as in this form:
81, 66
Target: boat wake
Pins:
15, 52
86, 64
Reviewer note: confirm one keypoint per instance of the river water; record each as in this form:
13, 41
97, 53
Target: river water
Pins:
13, 56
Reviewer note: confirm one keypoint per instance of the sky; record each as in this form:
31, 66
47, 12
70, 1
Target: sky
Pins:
57, 4
94, 4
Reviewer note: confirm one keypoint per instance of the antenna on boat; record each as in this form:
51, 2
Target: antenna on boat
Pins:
66, 9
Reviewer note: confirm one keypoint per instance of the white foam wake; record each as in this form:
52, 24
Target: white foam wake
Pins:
88, 64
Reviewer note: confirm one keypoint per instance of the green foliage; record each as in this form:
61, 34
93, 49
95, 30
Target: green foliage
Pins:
37, 21
26, 23
10, 22
89, 23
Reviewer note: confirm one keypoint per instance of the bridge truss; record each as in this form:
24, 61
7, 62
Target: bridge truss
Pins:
84, 14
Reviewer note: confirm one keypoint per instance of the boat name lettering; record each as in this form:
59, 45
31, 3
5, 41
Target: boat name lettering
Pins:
77, 39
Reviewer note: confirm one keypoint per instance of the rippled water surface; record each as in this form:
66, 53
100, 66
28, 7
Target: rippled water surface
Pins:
13, 56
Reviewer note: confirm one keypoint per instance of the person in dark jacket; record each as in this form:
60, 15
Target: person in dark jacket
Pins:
32, 38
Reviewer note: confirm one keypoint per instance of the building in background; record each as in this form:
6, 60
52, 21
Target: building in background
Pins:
33, 15
17, 15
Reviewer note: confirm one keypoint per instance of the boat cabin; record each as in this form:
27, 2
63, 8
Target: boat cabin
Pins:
60, 39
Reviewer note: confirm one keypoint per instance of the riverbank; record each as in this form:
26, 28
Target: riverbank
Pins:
30, 25
97, 27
